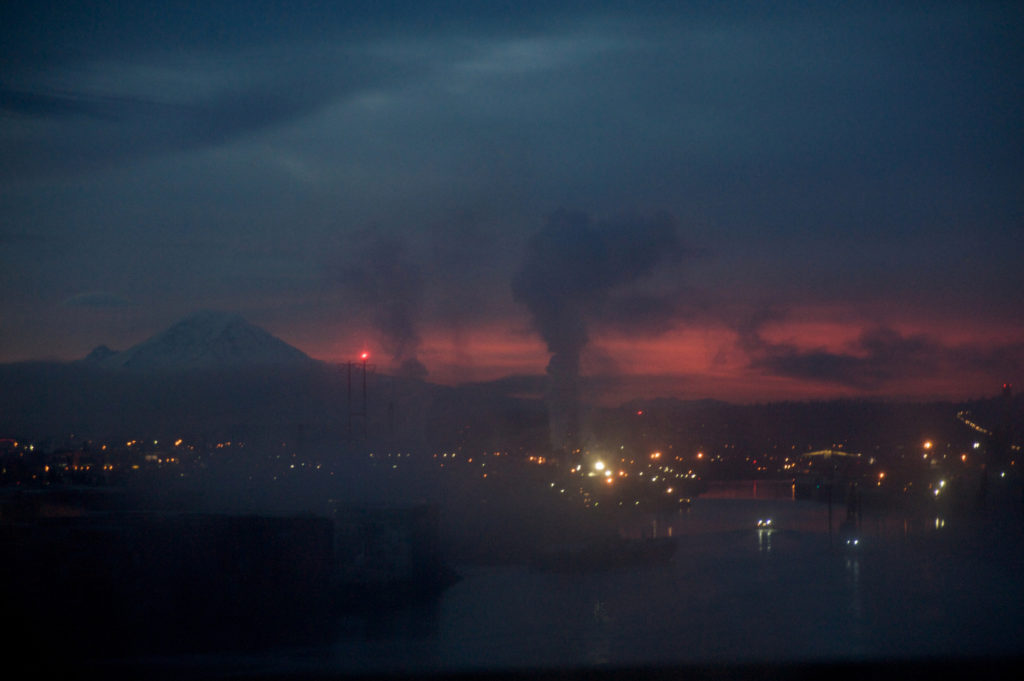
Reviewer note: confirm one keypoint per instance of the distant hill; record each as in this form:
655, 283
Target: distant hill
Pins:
204, 340
213, 375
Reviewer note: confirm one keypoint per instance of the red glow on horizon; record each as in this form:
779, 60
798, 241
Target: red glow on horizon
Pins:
689, 362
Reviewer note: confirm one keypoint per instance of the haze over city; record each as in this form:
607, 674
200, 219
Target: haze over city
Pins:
740, 202
534, 340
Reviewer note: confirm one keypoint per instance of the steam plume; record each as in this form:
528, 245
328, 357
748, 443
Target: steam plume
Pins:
571, 267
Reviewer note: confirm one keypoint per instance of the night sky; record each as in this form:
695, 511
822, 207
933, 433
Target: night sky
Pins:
747, 202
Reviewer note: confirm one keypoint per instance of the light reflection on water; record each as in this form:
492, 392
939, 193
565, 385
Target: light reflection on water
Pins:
732, 593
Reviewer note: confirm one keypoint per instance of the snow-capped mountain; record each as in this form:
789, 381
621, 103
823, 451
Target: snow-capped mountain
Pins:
204, 340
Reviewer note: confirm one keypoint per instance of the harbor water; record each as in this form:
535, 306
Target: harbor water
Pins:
915, 586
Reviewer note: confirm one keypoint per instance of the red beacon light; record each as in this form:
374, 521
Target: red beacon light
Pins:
365, 356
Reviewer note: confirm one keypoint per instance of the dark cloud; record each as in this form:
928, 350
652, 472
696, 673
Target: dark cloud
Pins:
140, 119
750, 322
882, 357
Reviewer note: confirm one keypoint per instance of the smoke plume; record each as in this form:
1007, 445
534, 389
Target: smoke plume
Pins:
571, 268
389, 284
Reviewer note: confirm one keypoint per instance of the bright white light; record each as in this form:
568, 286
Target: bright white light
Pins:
599, 465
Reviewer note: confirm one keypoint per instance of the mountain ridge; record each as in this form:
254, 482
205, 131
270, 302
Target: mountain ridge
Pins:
206, 339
